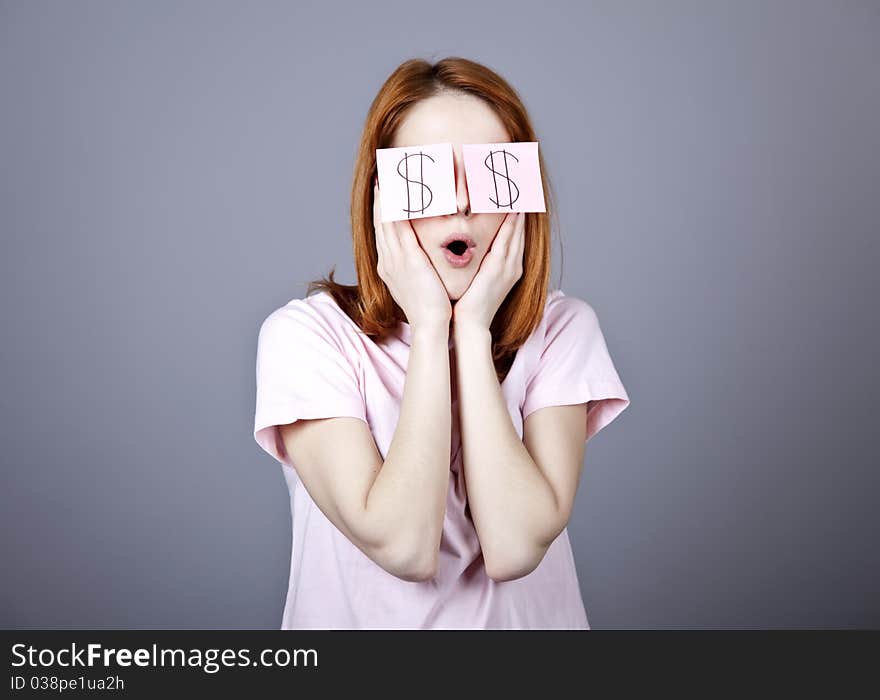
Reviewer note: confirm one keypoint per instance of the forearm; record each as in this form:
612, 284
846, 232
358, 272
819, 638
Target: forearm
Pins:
407, 501
513, 506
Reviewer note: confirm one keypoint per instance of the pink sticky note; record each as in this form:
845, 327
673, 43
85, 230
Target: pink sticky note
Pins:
416, 181
503, 177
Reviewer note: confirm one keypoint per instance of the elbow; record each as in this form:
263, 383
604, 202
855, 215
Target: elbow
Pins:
411, 563
509, 569
408, 552
418, 574
511, 565
515, 557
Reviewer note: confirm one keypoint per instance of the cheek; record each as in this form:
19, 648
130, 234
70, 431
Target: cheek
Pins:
427, 230
484, 226
488, 224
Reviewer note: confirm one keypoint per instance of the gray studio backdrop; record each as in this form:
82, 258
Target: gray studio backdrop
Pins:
173, 171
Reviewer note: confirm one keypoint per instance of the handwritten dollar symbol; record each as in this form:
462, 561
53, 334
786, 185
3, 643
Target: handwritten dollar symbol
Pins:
511, 185
404, 162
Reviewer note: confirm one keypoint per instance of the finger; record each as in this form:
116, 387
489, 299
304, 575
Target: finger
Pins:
377, 205
516, 235
510, 241
409, 241
394, 236
497, 240
381, 242
505, 234
519, 242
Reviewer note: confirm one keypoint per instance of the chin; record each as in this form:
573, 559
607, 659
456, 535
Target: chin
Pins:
456, 291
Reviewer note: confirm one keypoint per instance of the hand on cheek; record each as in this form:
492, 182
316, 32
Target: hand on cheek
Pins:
408, 272
499, 270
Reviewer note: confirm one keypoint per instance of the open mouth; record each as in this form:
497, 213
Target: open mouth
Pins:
457, 247
458, 243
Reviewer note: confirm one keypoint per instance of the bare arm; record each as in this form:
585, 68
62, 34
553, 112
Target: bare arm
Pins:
393, 511
520, 492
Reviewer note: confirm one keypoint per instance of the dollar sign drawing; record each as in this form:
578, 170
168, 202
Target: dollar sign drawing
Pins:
489, 162
404, 162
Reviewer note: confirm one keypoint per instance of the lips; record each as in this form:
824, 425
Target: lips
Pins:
458, 249
458, 260
458, 237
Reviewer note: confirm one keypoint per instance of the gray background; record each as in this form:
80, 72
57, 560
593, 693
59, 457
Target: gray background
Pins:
175, 171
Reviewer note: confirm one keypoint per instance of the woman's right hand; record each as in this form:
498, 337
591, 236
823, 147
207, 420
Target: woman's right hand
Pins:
408, 273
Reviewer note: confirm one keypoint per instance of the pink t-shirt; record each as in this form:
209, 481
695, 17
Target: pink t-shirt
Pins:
314, 362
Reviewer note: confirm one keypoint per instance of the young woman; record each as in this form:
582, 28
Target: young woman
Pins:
432, 419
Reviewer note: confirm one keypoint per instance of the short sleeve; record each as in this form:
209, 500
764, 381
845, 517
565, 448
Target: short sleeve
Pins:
302, 371
575, 367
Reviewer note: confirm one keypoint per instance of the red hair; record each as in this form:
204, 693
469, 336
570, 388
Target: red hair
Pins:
369, 303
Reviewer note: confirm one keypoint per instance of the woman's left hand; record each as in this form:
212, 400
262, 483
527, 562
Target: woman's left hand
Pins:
499, 270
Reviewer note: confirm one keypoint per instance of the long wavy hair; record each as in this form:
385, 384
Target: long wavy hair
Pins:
369, 303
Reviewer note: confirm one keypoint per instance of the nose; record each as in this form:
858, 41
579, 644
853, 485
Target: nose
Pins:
461, 192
